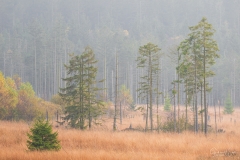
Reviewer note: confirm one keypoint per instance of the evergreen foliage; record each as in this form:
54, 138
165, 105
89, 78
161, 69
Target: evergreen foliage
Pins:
148, 61
41, 137
80, 93
228, 108
167, 104
198, 54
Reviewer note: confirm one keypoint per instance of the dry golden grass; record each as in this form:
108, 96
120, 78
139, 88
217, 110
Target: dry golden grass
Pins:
105, 144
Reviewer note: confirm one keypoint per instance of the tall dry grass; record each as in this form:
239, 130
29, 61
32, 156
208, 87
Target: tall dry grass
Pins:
105, 144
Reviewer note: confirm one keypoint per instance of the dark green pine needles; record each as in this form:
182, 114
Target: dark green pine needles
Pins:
228, 109
41, 137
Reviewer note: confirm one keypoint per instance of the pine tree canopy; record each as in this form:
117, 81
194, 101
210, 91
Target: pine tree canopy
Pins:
80, 92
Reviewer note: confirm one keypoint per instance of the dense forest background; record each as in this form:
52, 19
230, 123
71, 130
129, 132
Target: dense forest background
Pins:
36, 38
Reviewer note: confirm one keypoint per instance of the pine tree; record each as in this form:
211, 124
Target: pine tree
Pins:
208, 50
228, 109
148, 59
191, 62
167, 104
42, 138
80, 93
199, 52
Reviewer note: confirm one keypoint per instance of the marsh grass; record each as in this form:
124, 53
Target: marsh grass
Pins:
105, 144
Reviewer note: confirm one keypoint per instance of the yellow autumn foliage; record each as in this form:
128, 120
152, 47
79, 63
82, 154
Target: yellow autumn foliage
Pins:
19, 102
8, 96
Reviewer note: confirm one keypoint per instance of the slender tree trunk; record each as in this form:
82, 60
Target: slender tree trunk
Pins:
219, 111
45, 75
35, 65
89, 119
174, 108
195, 93
57, 115
4, 63
80, 97
158, 98
137, 81
201, 107
194, 116
204, 90
89, 101
65, 59
105, 78
215, 115
234, 81
178, 96
147, 100
116, 95
47, 115
40, 81
112, 87
186, 105
121, 112
146, 125
89, 111
150, 94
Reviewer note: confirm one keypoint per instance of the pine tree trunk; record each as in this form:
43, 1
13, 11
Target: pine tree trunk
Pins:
45, 75
157, 99
146, 125
81, 121
186, 105
150, 90
121, 112
112, 87
195, 93
201, 108
204, 90
178, 97
174, 108
215, 115
105, 79
219, 111
35, 65
116, 95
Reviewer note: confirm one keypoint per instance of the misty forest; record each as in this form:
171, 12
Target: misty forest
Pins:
98, 79
83, 61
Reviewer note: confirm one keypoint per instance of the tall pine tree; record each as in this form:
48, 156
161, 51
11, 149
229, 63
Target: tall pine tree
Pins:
200, 52
80, 92
148, 59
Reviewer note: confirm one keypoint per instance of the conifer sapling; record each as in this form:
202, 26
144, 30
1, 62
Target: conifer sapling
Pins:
41, 137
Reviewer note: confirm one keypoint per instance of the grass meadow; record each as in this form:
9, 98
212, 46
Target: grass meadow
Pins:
104, 144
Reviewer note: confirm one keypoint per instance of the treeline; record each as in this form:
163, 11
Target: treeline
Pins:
36, 38
85, 93
19, 102
194, 56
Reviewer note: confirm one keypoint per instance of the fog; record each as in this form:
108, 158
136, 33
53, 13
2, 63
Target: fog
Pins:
36, 38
